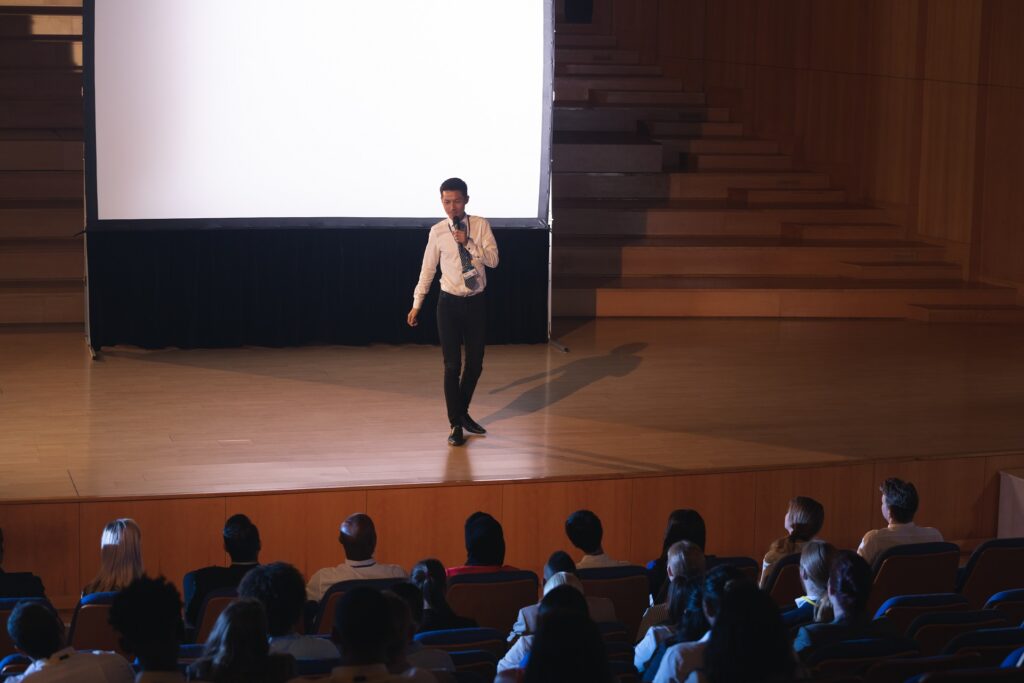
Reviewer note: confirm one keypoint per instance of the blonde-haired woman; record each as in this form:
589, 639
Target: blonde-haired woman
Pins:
804, 520
120, 557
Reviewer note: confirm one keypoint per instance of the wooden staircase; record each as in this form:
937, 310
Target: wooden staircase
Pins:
41, 151
665, 206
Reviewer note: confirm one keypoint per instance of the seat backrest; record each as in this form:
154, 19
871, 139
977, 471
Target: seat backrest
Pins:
90, 627
7, 606
971, 676
214, 603
747, 565
899, 611
323, 623
853, 657
1010, 603
899, 669
459, 639
995, 565
493, 600
625, 586
934, 631
991, 644
913, 569
476, 661
783, 582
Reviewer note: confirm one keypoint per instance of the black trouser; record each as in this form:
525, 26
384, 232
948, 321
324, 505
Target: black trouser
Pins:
461, 321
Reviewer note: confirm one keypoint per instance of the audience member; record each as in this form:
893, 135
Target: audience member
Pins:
18, 584
803, 522
363, 629
359, 539
584, 530
242, 544
849, 585
562, 599
282, 591
120, 557
485, 547
147, 614
36, 630
899, 505
685, 559
430, 577
558, 561
748, 643
683, 525
815, 564
602, 610
404, 602
568, 648
686, 621
238, 651
684, 656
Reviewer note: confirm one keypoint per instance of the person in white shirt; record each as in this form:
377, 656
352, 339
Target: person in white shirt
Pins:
37, 631
899, 505
601, 610
685, 559
359, 539
147, 614
584, 530
464, 247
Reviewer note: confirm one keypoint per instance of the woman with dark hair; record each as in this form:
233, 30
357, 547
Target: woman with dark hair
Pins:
237, 650
849, 585
748, 643
568, 647
804, 520
686, 619
429, 575
485, 547
683, 525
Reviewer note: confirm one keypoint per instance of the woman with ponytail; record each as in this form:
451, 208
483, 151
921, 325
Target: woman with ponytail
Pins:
803, 522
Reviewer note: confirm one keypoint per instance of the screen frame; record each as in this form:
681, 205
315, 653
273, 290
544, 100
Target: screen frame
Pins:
93, 222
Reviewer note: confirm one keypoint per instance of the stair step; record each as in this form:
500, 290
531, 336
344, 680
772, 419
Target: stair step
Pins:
760, 197
737, 162
719, 218
42, 302
52, 259
40, 84
41, 155
934, 313
20, 220
30, 21
33, 185
608, 70
646, 97
900, 269
588, 117
761, 297
573, 40
610, 157
694, 129
681, 185
580, 88
40, 53
595, 55
722, 257
41, 114
841, 231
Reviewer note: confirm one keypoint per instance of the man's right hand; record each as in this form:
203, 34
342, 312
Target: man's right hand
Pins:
411, 317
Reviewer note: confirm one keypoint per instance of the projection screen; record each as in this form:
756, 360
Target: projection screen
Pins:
251, 113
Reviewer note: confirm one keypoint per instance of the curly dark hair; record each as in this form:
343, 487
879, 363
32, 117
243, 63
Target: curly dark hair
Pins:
901, 498
849, 582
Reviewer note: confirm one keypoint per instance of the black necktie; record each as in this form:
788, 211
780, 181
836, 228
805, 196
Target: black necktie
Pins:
468, 271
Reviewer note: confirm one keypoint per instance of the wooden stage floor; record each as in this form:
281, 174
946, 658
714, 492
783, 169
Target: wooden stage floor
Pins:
631, 397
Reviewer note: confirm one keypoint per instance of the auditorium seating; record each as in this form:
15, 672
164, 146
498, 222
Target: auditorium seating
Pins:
991, 644
323, 622
995, 565
492, 600
747, 565
783, 581
1010, 603
935, 630
853, 657
899, 669
212, 606
625, 586
90, 629
899, 611
913, 569
462, 639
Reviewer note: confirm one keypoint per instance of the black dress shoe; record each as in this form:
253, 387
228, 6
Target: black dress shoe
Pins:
456, 438
471, 425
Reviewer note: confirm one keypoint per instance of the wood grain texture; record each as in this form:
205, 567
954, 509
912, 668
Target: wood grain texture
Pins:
43, 538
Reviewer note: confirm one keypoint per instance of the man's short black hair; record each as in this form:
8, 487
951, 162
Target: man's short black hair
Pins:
901, 498
35, 629
281, 589
559, 562
362, 626
584, 530
455, 185
147, 614
241, 539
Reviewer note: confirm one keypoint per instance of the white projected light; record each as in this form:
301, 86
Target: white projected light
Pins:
242, 109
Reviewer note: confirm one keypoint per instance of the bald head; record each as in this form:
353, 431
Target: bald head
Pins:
358, 536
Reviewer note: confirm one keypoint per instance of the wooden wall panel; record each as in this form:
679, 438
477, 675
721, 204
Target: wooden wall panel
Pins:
1001, 217
731, 34
892, 145
534, 518
414, 524
725, 501
299, 528
953, 40
775, 99
865, 36
951, 492
680, 29
782, 27
42, 538
178, 535
1003, 26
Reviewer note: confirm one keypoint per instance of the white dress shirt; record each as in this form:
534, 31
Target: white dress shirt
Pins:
350, 570
599, 562
69, 665
443, 250
682, 659
877, 540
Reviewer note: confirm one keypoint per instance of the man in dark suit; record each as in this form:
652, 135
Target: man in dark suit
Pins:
18, 584
242, 544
